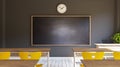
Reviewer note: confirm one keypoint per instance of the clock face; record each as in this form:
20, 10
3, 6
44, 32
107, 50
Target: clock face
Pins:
61, 8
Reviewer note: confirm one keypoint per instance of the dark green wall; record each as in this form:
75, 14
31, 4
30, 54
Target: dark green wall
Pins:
0, 23
18, 12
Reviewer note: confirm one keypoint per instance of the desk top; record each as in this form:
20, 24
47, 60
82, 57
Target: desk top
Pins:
107, 44
101, 63
24, 49
91, 49
17, 63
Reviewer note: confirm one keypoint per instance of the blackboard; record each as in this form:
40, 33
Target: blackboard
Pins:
60, 30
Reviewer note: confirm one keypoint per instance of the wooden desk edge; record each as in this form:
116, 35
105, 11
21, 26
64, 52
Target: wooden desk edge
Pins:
24, 49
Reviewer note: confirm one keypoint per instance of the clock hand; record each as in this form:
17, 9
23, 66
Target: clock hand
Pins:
61, 7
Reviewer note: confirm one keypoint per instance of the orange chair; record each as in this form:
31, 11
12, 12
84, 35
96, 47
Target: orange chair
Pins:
5, 55
30, 55
116, 55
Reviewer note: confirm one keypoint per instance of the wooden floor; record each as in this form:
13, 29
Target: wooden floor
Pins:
60, 62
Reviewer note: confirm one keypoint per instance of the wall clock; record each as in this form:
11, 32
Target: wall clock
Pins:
61, 8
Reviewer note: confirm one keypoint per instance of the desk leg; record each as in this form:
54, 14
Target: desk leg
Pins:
48, 64
74, 60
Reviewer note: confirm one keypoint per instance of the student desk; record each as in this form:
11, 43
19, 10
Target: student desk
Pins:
18, 63
77, 51
101, 63
15, 51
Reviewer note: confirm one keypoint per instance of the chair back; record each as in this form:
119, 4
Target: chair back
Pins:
30, 55
5, 55
87, 55
116, 55
99, 56
93, 55
35, 55
24, 55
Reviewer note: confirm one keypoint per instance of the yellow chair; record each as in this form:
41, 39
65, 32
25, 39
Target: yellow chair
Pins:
30, 55
116, 55
93, 55
99, 56
35, 55
24, 55
87, 55
82, 65
5, 55
39, 65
